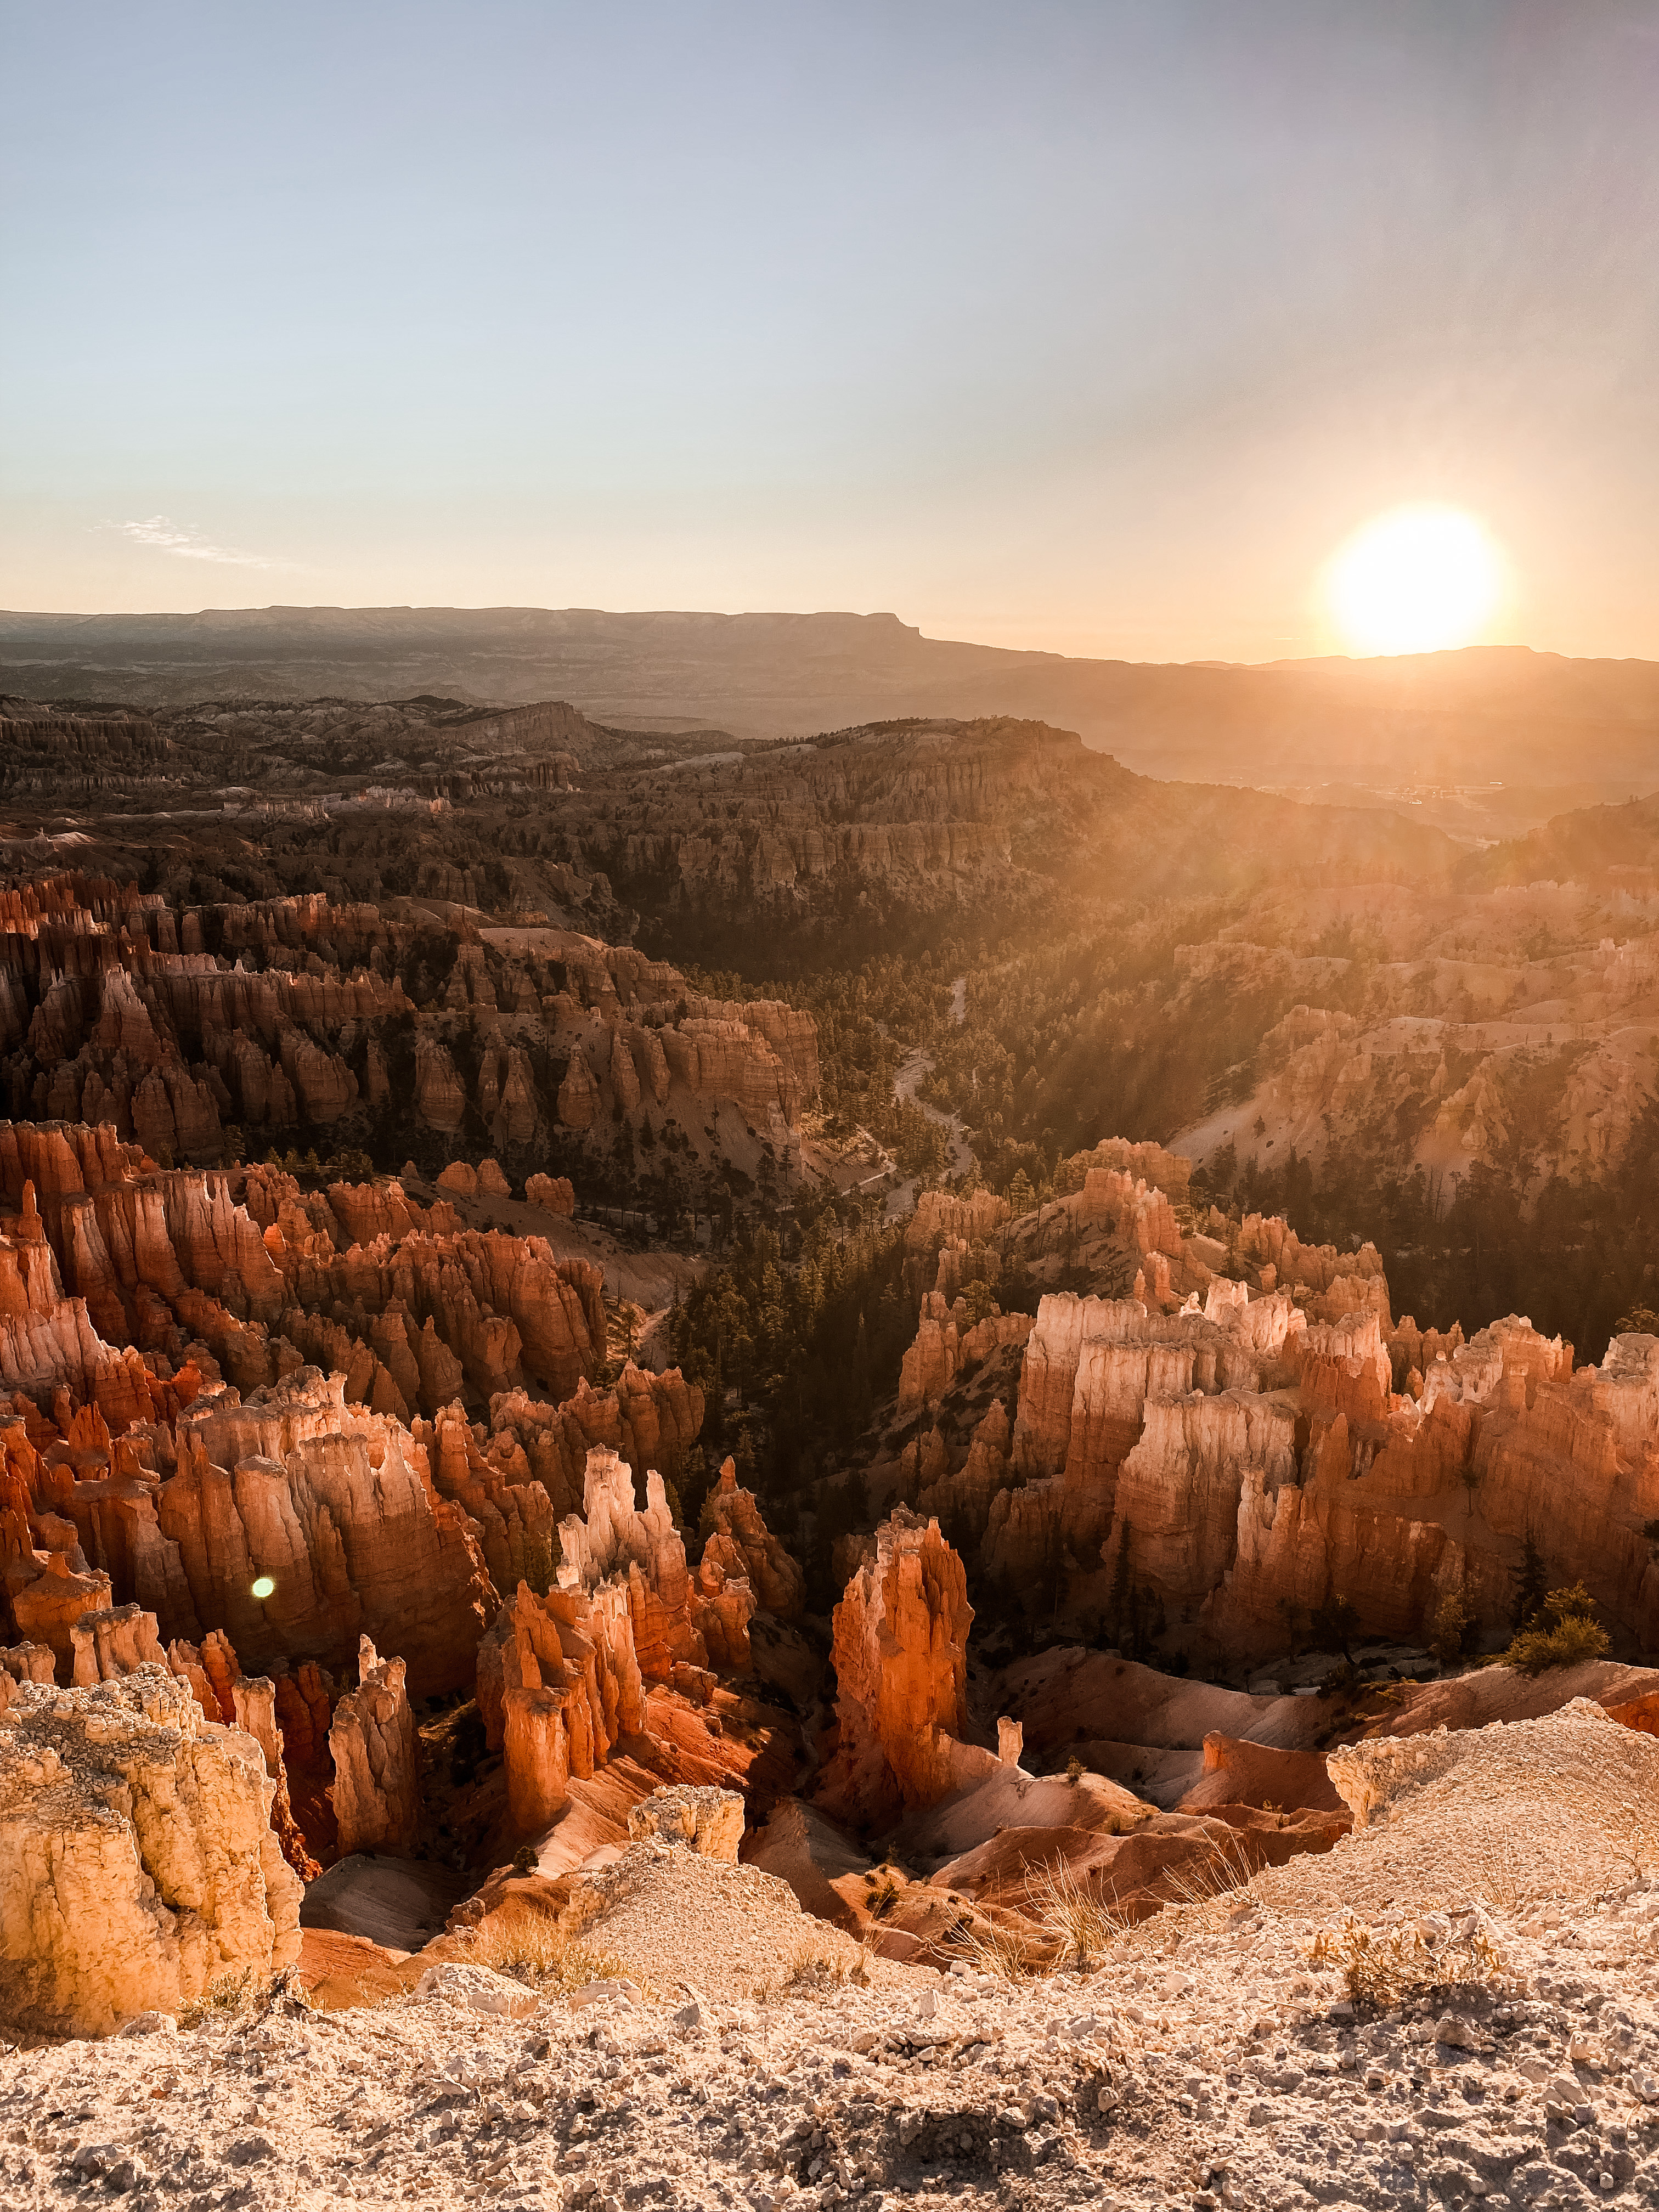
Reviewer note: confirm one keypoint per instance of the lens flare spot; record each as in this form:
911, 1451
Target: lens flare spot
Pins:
264, 1587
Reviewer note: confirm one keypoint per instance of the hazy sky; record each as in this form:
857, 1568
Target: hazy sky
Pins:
1094, 327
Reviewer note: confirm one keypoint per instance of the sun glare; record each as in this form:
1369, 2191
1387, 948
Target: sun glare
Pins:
1417, 580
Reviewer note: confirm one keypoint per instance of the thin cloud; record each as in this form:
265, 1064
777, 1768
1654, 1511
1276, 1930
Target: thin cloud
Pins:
164, 536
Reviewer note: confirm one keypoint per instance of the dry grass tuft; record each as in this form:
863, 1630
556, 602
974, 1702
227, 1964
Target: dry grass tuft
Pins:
990, 1949
539, 1952
819, 1968
1223, 1871
1072, 1922
234, 1994
1387, 1967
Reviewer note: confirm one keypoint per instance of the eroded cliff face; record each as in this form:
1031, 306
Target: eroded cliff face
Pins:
138, 1863
1453, 1018
565, 1677
376, 1774
405, 1024
125, 1285
559, 1687
1224, 1459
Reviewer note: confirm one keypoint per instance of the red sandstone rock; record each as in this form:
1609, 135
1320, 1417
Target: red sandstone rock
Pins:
390, 1556
651, 1420
901, 1661
553, 1194
559, 1685
377, 1779
742, 1544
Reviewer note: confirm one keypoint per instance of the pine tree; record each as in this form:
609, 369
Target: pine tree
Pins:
1531, 1584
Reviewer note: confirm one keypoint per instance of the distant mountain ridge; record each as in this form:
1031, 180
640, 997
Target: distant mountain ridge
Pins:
1485, 715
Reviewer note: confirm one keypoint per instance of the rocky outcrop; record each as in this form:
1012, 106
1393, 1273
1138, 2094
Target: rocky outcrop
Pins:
709, 1821
741, 1545
111, 1643
947, 1346
613, 1544
337, 1508
490, 1479
104, 1289
137, 1863
377, 1776
1441, 1500
900, 1654
558, 1686
552, 1194
20, 1664
651, 1420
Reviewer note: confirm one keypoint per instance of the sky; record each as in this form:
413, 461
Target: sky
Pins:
1097, 328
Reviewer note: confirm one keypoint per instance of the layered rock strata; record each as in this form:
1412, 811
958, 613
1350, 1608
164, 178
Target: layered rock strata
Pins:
137, 1863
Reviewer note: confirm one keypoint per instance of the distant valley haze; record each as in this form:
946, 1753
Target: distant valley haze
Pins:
1484, 741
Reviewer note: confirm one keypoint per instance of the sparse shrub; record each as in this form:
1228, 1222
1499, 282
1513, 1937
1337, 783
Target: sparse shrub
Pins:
524, 1859
225, 1993
1076, 1923
1074, 1769
1227, 1866
881, 1896
240, 1993
1335, 1624
467, 1745
1563, 1632
817, 1970
991, 1947
1386, 1967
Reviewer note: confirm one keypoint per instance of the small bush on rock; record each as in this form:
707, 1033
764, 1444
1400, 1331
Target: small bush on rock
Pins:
1451, 1620
1562, 1633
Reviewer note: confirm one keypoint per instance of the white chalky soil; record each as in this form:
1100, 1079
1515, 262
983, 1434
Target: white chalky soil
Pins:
1209, 2063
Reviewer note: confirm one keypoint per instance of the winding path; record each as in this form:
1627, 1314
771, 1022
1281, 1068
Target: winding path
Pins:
907, 1081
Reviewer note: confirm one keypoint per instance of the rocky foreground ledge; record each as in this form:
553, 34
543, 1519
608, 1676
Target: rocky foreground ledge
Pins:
1458, 2003
1207, 2062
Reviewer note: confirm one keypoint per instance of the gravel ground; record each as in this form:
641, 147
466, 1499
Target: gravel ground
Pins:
1218, 2053
677, 1922
1208, 2060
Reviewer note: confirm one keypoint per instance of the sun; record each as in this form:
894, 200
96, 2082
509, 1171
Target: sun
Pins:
1418, 579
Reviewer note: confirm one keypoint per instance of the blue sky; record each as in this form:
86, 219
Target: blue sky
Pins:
1091, 327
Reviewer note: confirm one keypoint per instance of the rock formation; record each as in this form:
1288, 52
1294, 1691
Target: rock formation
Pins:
901, 1661
189, 1033
558, 1684
709, 1820
742, 1545
552, 1194
377, 1777
137, 1863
